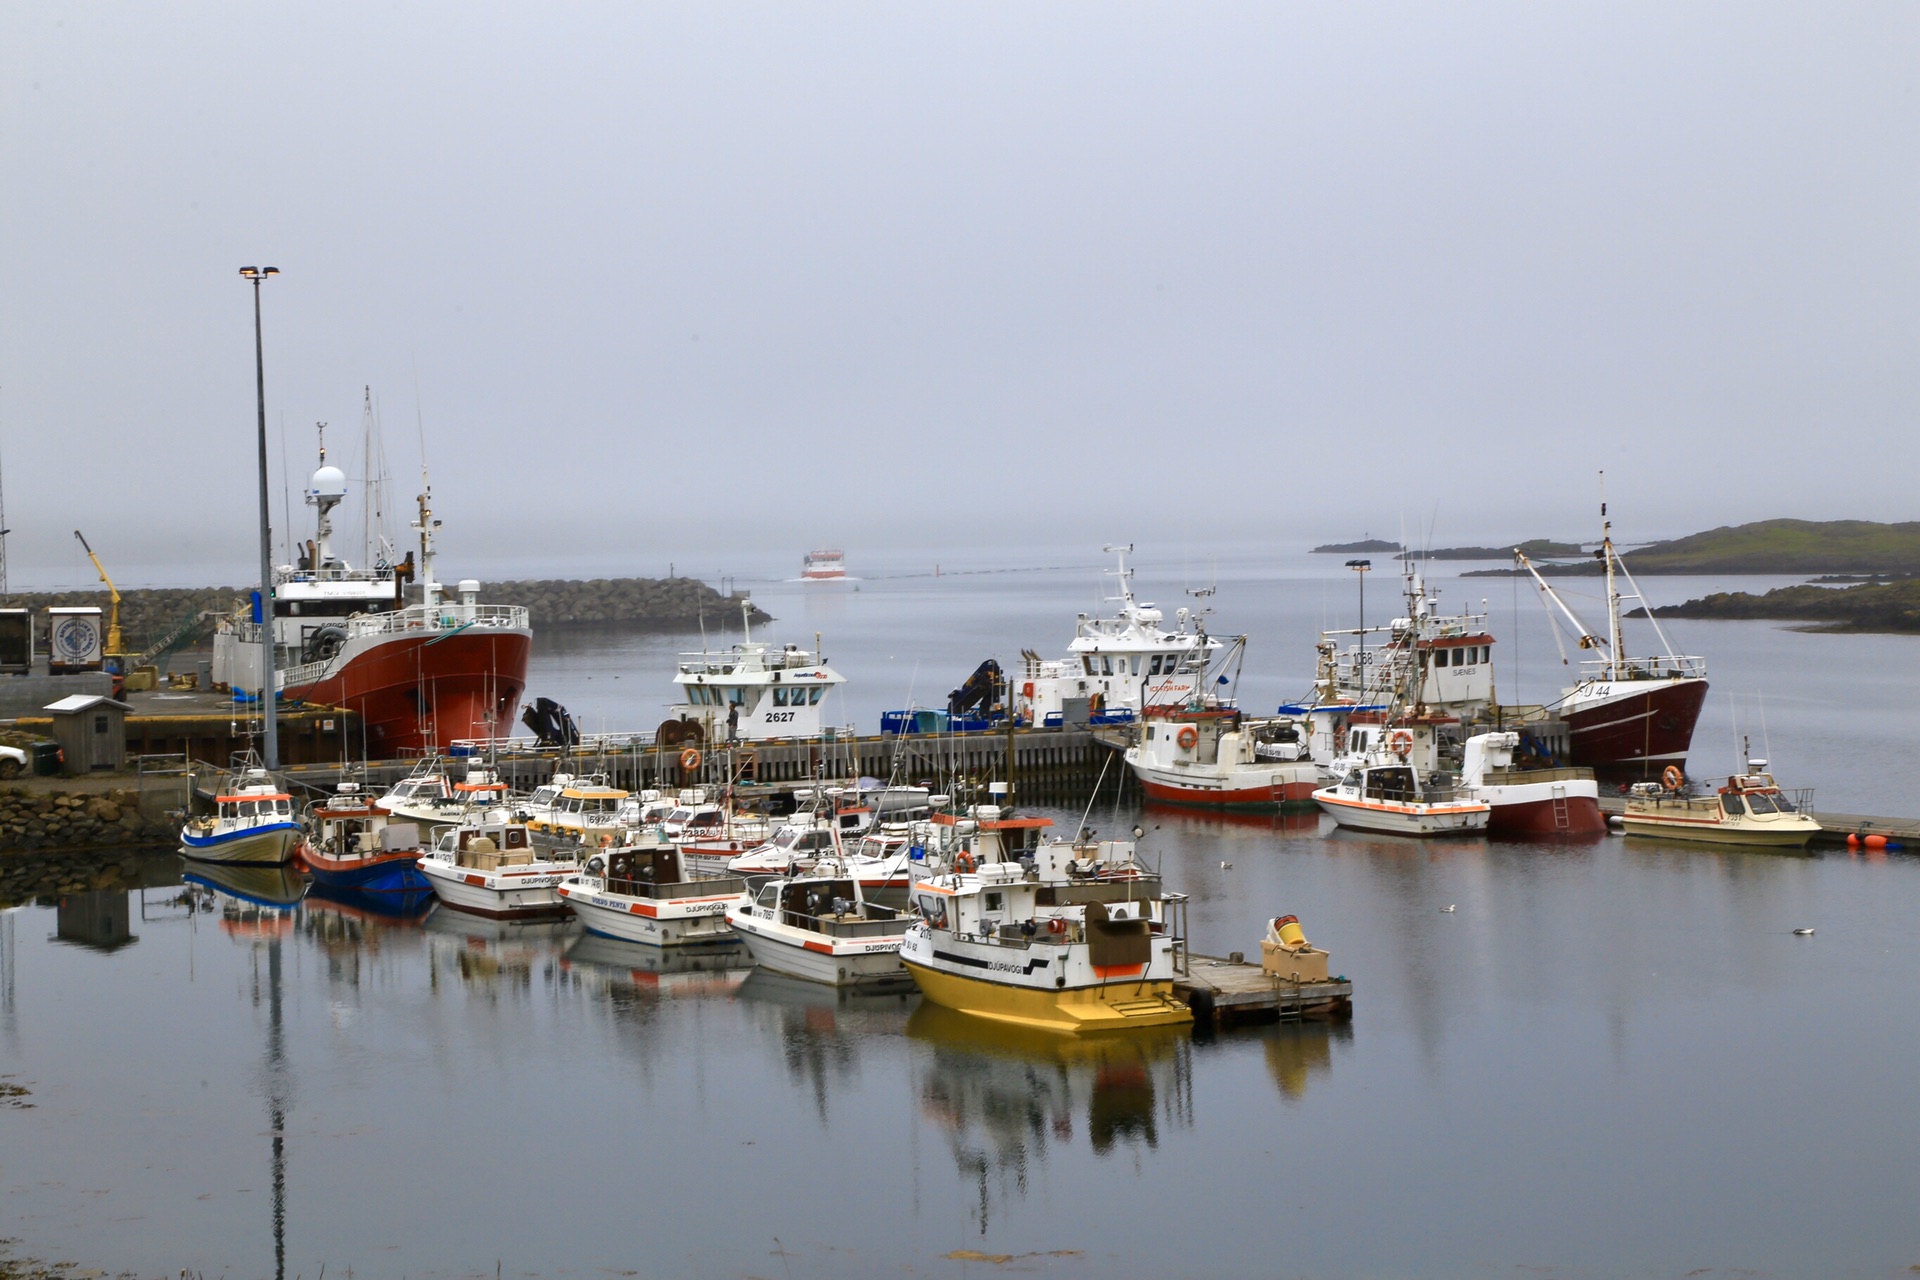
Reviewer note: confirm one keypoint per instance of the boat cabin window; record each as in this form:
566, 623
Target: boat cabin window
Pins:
1106, 665
779, 695
996, 902
1732, 804
1439, 657
1761, 803
813, 694
1153, 668
1394, 783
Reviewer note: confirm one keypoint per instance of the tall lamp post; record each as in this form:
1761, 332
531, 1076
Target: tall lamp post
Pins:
1360, 567
270, 722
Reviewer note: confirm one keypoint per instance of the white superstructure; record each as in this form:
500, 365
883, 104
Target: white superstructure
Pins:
754, 691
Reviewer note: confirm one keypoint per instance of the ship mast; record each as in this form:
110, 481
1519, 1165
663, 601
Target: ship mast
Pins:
1613, 592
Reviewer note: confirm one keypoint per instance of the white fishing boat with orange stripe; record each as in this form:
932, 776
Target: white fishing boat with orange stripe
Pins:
641, 894
492, 869
1384, 792
821, 927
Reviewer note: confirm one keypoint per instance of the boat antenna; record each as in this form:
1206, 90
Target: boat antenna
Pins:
3, 537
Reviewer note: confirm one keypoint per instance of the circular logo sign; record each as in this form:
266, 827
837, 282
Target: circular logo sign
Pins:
76, 639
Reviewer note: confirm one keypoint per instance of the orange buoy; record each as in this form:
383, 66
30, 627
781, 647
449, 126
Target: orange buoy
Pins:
1876, 842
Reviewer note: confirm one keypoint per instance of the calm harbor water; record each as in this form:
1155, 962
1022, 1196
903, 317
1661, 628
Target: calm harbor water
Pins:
1612, 1058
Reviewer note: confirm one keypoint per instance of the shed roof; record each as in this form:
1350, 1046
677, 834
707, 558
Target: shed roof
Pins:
74, 703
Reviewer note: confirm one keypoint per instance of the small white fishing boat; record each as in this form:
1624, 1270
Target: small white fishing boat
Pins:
1751, 809
1210, 756
253, 822
585, 813
1383, 792
641, 894
821, 927
489, 867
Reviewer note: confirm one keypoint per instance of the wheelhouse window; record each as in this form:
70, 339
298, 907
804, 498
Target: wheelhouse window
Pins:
779, 695
1153, 668
1732, 804
813, 695
1761, 803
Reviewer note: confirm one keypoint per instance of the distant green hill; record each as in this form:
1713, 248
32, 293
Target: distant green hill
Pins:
1536, 549
1890, 606
1773, 546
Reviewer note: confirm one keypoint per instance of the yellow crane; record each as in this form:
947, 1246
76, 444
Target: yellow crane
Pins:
114, 647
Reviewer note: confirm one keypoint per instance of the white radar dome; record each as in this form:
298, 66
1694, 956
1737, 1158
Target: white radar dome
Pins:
330, 482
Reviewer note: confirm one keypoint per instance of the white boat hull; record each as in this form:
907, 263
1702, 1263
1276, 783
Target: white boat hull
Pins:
1404, 818
506, 893
837, 962
671, 922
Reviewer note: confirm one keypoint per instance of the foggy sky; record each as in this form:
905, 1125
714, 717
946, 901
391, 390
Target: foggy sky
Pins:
678, 281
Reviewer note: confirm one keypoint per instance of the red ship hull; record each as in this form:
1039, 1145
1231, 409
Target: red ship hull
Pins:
1640, 733
1296, 793
1573, 816
420, 694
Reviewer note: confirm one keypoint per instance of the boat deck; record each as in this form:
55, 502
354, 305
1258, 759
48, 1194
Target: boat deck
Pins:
1224, 990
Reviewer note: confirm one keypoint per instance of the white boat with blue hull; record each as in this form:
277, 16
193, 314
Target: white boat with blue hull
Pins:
253, 822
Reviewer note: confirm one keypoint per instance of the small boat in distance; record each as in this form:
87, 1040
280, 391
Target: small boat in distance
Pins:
1750, 809
823, 566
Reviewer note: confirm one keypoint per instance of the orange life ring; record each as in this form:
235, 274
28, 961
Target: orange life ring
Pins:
1187, 736
1026, 691
1672, 777
690, 758
1056, 925
1402, 742
963, 862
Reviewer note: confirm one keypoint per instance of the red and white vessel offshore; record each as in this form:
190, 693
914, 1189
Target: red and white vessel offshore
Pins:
420, 666
824, 566
1626, 715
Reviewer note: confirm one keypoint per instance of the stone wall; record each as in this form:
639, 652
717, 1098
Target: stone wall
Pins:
68, 820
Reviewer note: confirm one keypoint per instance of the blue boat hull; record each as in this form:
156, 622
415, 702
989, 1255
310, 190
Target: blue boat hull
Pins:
392, 876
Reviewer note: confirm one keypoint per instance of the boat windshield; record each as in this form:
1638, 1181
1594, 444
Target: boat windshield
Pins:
1762, 803
1734, 806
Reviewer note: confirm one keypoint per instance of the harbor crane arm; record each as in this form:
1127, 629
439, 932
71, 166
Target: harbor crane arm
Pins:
113, 593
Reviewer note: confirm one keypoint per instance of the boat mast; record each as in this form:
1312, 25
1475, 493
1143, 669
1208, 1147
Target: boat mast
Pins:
1613, 592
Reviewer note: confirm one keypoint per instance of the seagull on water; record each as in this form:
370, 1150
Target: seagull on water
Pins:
1448, 907
1226, 866
1803, 933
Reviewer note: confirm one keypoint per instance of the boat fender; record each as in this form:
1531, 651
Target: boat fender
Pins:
1187, 736
1672, 778
690, 758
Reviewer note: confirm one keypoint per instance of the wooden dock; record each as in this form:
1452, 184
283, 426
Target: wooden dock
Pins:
1225, 990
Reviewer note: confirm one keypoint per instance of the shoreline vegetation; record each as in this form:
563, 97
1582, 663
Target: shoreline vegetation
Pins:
652, 604
1870, 607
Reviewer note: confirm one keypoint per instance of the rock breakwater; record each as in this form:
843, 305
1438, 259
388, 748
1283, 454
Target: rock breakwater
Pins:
657, 604
31, 822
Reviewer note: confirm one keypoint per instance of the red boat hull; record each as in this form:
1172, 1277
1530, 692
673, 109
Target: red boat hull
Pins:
418, 694
1641, 733
1300, 793
1573, 816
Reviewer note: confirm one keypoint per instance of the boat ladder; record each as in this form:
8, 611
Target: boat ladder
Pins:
1561, 819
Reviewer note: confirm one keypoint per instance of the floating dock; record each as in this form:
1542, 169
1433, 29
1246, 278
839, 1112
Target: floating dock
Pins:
1223, 990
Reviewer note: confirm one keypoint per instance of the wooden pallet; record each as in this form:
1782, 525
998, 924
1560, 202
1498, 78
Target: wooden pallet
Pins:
1222, 990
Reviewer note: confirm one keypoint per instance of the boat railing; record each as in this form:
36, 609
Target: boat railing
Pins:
1661, 667
873, 925
441, 620
1513, 777
707, 888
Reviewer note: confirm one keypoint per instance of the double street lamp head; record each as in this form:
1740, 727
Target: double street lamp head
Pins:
257, 274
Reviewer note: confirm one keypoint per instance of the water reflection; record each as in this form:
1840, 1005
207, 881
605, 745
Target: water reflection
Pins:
493, 957
819, 1029
352, 931
256, 907
1298, 1052
622, 972
99, 920
1004, 1095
